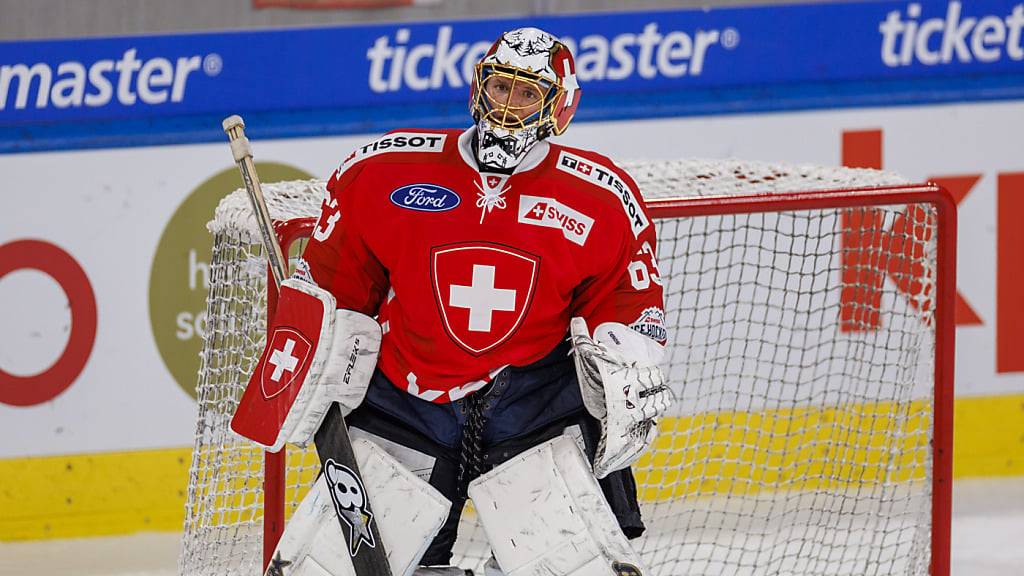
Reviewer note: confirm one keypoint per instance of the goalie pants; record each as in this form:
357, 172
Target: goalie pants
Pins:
451, 444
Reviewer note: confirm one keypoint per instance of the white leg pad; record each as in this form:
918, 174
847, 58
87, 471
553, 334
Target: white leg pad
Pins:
408, 512
312, 543
545, 515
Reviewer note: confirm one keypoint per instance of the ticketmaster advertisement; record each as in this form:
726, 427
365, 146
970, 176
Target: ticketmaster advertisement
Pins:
113, 161
171, 88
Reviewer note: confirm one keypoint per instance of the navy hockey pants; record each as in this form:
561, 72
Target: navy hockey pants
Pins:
456, 442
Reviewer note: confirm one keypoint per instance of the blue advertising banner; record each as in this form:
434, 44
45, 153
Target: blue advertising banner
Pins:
173, 88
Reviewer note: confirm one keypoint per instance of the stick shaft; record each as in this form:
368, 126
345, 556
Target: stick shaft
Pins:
235, 129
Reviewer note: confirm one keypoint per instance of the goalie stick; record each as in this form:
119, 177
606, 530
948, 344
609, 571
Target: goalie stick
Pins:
331, 440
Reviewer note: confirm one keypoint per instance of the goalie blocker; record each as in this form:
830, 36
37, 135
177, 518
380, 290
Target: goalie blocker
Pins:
315, 355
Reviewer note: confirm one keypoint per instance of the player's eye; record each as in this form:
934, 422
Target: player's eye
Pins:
529, 95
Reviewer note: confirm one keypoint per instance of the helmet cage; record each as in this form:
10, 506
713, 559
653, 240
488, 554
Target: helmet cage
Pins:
504, 114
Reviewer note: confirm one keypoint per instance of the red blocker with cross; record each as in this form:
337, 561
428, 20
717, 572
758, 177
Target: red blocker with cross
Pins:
282, 368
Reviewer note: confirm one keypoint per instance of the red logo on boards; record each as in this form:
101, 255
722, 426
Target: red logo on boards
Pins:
287, 359
483, 292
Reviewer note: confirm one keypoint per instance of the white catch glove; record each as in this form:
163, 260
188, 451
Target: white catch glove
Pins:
623, 387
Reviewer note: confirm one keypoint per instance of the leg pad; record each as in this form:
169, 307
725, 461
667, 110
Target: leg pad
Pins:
544, 514
408, 512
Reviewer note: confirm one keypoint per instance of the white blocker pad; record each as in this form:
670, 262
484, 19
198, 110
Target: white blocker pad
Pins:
544, 514
407, 510
314, 356
347, 370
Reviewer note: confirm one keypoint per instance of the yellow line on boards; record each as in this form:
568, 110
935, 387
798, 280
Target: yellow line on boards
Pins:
988, 436
123, 492
93, 494
735, 453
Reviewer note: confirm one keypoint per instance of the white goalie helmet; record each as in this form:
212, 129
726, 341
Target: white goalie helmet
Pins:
523, 91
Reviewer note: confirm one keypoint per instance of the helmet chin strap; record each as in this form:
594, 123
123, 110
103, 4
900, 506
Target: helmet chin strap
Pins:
500, 150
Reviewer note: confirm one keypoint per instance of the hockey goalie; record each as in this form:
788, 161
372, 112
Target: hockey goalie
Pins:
486, 308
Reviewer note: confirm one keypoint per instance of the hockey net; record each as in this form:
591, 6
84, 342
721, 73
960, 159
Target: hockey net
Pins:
809, 311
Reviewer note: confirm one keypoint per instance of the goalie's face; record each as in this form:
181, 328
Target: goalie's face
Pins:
513, 99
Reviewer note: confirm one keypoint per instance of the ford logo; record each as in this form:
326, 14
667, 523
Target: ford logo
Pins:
425, 198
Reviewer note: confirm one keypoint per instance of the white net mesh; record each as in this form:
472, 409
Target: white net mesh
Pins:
802, 359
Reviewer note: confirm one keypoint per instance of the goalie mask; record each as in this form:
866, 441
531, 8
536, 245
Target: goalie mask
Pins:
523, 91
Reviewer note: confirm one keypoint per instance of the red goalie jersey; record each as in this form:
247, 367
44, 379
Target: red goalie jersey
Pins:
469, 271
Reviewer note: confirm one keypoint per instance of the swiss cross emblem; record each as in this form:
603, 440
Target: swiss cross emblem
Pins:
584, 167
482, 291
493, 181
287, 358
537, 212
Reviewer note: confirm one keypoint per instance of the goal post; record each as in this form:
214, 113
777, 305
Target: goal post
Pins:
810, 311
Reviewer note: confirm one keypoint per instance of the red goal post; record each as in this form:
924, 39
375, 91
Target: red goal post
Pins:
728, 464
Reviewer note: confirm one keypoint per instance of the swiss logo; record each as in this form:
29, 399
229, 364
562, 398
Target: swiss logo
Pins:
425, 198
550, 213
288, 358
483, 292
537, 212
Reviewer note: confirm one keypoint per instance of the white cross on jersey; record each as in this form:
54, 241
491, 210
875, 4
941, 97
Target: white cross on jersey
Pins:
283, 360
482, 298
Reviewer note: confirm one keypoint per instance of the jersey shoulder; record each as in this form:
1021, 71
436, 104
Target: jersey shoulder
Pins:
602, 178
401, 146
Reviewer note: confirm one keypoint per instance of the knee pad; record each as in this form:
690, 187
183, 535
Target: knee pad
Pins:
544, 513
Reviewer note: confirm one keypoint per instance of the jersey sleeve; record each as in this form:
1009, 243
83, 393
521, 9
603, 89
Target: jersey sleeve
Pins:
630, 290
337, 257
